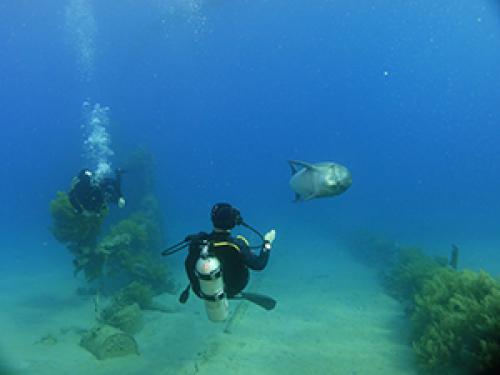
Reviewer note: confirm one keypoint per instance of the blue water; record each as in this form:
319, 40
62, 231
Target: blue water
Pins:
223, 93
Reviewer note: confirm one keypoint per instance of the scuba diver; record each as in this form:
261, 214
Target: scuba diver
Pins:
217, 264
88, 194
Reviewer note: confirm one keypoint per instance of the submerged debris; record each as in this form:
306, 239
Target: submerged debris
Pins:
105, 342
454, 257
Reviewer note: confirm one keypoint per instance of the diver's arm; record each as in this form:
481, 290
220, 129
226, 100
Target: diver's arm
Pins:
118, 188
253, 261
118, 182
111, 189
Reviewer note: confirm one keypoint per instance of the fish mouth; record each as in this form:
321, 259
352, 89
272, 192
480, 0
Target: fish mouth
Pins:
330, 182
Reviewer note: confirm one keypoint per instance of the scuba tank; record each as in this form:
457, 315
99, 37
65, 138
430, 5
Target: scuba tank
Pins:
209, 273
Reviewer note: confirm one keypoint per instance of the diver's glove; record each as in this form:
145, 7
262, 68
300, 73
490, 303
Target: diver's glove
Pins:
269, 238
121, 202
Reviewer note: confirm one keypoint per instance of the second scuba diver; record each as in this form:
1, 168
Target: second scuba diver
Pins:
218, 264
88, 194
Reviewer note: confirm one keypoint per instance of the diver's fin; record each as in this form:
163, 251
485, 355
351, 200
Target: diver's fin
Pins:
185, 294
303, 164
266, 302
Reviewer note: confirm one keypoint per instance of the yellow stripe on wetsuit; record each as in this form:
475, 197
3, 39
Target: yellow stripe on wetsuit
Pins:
225, 243
240, 237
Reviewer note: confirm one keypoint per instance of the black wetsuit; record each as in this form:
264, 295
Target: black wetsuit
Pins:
89, 196
111, 188
235, 260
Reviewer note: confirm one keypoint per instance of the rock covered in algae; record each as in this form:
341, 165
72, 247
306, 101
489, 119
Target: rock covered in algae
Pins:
135, 292
127, 318
105, 341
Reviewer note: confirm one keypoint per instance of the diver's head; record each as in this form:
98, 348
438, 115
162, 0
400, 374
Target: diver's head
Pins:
225, 217
85, 173
88, 178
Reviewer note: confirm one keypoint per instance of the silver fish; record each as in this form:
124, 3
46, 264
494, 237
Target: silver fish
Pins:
318, 180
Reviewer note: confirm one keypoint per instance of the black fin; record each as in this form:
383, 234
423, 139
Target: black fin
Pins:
266, 302
185, 294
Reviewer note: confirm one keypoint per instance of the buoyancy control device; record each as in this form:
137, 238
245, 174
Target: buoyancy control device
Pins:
209, 273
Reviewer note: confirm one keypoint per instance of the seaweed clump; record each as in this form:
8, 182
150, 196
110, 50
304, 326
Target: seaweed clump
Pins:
131, 250
407, 276
457, 322
79, 233
455, 314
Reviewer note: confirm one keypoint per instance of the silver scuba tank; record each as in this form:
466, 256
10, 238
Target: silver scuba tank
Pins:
209, 273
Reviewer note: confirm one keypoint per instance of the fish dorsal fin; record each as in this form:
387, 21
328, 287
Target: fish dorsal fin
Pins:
306, 165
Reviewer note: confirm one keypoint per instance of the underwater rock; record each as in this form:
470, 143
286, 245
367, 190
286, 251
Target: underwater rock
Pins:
135, 292
47, 340
105, 342
127, 318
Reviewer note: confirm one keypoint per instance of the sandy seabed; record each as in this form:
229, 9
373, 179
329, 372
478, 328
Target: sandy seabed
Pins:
332, 318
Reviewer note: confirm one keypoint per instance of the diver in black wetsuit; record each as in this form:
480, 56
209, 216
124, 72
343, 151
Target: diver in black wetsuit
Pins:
89, 195
234, 253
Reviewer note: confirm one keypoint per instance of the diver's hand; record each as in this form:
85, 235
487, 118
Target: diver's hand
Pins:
121, 202
270, 236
